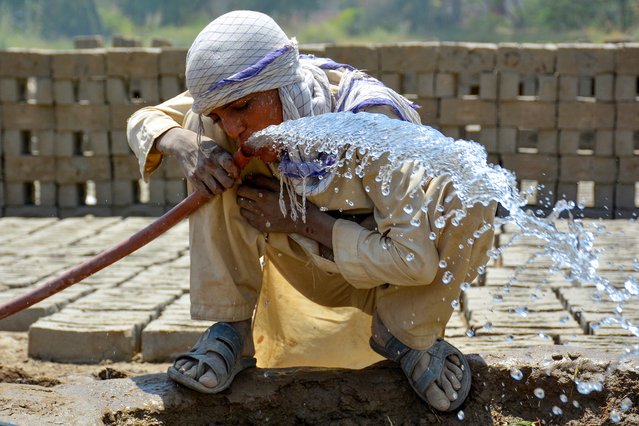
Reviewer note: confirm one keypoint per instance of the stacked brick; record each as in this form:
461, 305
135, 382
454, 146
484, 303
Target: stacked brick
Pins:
527, 138
27, 131
627, 131
564, 118
83, 164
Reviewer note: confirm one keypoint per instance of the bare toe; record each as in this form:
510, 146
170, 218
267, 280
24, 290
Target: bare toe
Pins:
191, 372
452, 379
208, 379
437, 398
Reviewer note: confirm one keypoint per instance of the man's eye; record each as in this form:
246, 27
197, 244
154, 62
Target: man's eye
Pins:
241, 105
215, 118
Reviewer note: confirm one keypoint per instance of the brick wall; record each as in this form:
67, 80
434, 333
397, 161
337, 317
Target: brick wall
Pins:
563, 117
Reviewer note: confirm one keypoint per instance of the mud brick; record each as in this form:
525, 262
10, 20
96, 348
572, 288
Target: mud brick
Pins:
88, 42
625, 196
79, 65
604, 87
628, 115
132, 63
69, 196
25, 63
121, 113
568, 87
426, 84
116, 91
539, 167
172, 61
547, 141
8, 90
624, 143
29, 117
91, 91
364, 57
586, 115
547, 88
82, 117
29, 169
16, 194
626, 88
125, 167
428, 111
407, 57
170, 86
526, 59
466, 58
392, 80
40, 91
45, 142
508, 85
585, 59
507, 142
63, 92
628, 58
123, 192
147, 89
445, 85
601, 145
65, 144
628, 169
157, 191
576, 168
488, 86
119, 144
488, 139
174, 191
468, 111
529, 114
468, 85
12, 144
91, 143
82, 169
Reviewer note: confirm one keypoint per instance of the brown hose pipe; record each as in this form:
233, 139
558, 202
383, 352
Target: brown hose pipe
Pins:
107, 257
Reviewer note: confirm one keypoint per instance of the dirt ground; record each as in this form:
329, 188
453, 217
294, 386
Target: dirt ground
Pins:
376, 395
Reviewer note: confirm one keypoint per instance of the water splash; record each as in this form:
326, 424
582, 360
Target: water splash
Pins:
356, 141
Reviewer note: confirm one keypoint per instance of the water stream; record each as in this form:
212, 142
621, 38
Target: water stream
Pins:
366, 138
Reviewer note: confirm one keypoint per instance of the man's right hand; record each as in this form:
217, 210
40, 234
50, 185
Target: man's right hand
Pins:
208, 167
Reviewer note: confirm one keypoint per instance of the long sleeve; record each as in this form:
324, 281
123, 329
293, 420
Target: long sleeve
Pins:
148, 123
399, 251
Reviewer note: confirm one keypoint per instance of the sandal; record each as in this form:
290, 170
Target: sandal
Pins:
221, 339
439, 351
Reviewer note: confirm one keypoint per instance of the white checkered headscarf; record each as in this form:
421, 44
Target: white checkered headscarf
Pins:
244, 52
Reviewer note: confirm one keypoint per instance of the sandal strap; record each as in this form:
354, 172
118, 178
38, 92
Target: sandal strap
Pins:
221, 339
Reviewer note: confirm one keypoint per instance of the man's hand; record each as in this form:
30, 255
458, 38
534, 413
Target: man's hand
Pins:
209, 168
258, 198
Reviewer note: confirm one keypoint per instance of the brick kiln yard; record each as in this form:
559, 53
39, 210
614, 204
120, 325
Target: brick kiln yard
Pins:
126, 322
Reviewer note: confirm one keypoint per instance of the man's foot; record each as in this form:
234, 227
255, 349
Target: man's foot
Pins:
441, 391
221, 352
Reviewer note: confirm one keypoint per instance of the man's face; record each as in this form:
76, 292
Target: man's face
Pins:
247, 115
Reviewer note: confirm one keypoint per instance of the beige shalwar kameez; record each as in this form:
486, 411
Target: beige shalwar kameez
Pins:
311, 310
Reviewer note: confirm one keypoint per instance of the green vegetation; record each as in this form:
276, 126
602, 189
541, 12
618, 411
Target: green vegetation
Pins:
54, 23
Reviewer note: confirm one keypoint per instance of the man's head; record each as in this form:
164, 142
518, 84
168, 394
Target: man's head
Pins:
238, 54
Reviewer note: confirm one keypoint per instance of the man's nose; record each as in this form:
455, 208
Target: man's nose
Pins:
233, 127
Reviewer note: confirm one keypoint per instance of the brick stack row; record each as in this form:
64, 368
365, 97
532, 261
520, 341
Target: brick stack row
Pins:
564, 118
63, 144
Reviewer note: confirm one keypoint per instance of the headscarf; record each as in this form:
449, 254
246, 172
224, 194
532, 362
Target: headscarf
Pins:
244, 52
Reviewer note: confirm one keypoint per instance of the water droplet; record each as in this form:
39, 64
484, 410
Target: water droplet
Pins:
461, 415
464, 286
415, 221
516, 373
442, 263
557, 411
385, 191
408, 209
625, 404
615, 417
460, 246
367, 188
586, 388
440, 222
481, 270
439, 208
410, 257
488, 326
575, 403
470, 241
523, 311
348, 175
447, 277
563, 398
470, 332
632, 286
454, 304
539, 393
267, 224
432, 236
336, 189
564, 319
498, 298
260, 195
349, 202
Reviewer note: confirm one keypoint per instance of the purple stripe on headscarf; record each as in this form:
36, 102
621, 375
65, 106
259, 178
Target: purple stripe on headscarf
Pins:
313, 168
380, 101
326, 63
253, 70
